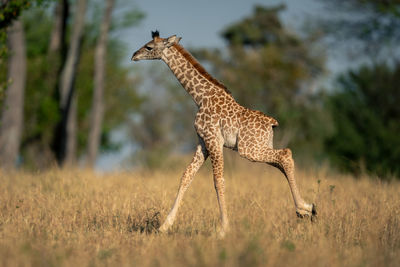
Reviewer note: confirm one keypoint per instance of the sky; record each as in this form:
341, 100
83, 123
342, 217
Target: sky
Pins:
199, 23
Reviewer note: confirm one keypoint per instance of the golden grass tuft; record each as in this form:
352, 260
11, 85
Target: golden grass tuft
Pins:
75, 217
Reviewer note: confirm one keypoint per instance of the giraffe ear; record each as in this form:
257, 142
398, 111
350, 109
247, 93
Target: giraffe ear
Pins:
172, 40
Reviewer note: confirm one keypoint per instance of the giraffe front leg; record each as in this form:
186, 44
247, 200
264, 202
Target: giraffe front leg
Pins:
217, 161
199, 157
282, 159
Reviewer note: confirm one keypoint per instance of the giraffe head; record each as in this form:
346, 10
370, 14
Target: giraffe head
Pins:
155, 48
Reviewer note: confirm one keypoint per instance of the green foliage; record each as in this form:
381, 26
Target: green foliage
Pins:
366, 117
41, 107
364, 104
261, 28
164, 121
369, 25
9, 11
382, 6
128, 16
120, 93
120, 96
3, 76
41, 114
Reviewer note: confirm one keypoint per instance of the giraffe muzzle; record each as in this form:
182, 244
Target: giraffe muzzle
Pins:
134, 57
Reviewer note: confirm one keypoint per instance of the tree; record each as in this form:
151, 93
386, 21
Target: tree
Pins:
57, 49
10, 10
66, 137
363, 102
163, 124
368, 28
57, 37
12, 114
366, 118
42, 113
98, 91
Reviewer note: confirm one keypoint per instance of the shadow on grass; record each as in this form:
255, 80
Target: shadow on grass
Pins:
148, 222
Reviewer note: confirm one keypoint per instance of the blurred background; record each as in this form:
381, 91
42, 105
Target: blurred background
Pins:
328, 71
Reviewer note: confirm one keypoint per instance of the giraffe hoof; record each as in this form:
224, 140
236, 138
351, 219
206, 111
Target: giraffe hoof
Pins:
302, 213
222, 231
221, 234
163, 228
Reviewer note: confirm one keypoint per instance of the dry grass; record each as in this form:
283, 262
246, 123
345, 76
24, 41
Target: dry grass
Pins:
64, 218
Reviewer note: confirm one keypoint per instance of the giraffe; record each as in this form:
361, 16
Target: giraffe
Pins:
220, 122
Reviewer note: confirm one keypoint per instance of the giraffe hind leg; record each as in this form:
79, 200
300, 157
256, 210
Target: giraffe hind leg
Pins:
283, 160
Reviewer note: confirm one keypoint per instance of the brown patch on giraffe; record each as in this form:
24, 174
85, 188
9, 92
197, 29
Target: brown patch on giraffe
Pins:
199, 68
189, 76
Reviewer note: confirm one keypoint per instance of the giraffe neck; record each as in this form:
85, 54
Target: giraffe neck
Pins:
193, 77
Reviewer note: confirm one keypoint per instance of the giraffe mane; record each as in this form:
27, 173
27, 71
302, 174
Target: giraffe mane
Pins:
199, 67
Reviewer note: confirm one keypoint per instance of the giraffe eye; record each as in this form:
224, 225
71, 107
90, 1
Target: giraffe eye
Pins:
148, 48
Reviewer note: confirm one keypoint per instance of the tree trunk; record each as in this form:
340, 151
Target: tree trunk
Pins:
56, 54
66, 136
57, 38
12, 116
98, 92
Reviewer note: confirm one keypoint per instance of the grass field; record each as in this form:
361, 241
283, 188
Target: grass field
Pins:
75, 217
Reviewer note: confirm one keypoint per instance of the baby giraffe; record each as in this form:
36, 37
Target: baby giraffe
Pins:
220, 122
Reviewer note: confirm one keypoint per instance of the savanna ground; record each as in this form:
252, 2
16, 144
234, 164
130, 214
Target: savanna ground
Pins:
75, 217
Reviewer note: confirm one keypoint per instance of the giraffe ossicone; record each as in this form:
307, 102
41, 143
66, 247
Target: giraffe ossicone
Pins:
220, 122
